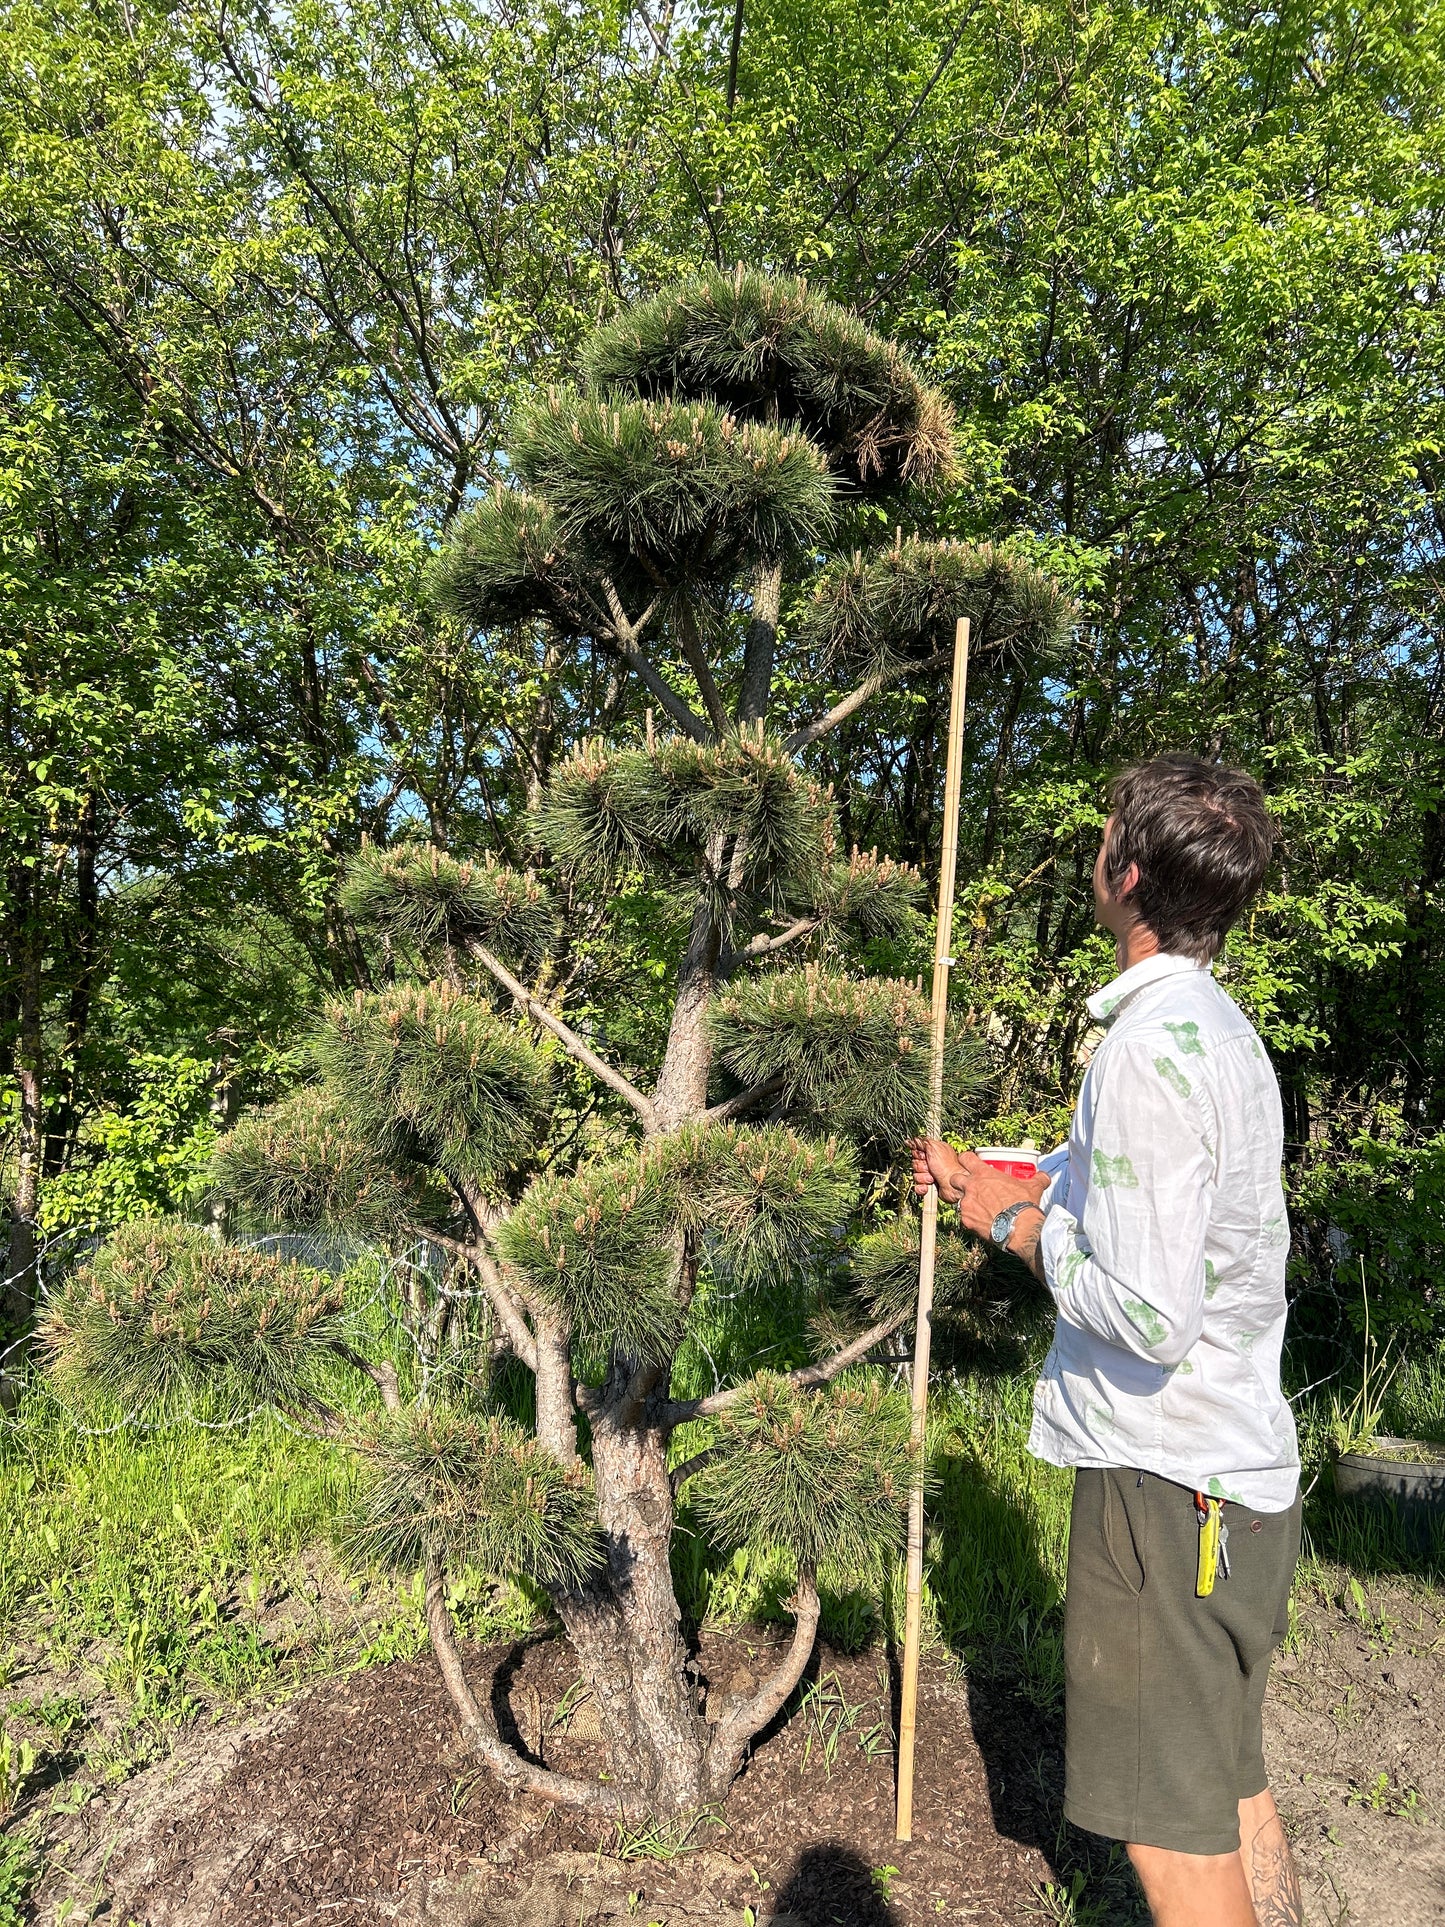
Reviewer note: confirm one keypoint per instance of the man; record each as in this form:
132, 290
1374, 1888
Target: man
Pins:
1160, 1232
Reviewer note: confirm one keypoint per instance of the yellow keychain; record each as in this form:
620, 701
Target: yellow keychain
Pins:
1208, 1511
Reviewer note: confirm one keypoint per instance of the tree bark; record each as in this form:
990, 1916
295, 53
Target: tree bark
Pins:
762, 640
556, 1406
681, 1092
745, 1719
627, 1629
20, 1257
480, 1728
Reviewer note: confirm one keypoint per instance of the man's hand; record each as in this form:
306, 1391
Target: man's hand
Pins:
980, 1192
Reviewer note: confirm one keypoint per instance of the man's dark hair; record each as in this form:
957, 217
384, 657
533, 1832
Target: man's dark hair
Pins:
1202, 838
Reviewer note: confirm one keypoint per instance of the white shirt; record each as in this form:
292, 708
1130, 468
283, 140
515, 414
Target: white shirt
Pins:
1164, 1246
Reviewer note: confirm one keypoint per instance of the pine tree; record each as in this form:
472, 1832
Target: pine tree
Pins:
723, 435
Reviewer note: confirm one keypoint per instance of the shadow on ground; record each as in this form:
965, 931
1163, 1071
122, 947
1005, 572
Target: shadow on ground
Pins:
831, 1883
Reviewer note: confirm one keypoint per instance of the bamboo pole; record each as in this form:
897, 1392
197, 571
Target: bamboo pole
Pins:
928, 1242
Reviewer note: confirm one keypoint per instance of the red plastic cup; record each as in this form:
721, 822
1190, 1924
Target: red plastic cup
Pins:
1011, 1159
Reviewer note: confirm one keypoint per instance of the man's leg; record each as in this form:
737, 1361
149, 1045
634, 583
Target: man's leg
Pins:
1268, 1863
1195, 1889
1256, 1887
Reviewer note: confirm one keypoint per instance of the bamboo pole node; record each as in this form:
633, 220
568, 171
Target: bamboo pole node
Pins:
928, 1240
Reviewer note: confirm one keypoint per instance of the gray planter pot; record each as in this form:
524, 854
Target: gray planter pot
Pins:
1402, 1474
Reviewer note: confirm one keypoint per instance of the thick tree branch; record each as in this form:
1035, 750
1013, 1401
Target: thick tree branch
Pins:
480, 1729
702, 675
556, 1396
745, 1719
382, 1376
762, 632
564, 1034
689, 1468
864, 693
805, 1378
681, 712
745, 1101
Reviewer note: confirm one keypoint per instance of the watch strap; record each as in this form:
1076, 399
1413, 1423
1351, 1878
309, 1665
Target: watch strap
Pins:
1001, 1230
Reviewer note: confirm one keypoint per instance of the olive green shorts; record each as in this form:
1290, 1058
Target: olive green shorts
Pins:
1163, 1690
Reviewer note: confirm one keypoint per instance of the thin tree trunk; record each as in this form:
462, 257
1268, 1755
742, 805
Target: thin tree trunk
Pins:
82, 957
224, 1105
19, 1287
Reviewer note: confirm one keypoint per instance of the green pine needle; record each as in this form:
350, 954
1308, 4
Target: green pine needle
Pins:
479, 1492
421, 897
503, 563
765, 1200
853, 1052
669, 491
608, 812
823, 1474
770, 348
432, 1075
885, 1268
166, 1321
300, 1164
600, 1248
872, 897
902, 603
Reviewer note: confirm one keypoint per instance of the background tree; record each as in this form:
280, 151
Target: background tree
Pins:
731, 430
289, 284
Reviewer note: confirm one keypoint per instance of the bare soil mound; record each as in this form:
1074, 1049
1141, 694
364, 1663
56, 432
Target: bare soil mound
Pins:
355, 1803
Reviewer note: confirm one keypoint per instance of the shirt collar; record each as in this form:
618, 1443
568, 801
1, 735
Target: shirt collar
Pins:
1105, 1003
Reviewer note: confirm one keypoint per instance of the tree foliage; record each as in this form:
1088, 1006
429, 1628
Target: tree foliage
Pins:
731, 1164
166, 1320
1132, 314
822, 1476
440, 1485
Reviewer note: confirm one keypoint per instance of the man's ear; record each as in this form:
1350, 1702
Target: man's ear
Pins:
1127, 884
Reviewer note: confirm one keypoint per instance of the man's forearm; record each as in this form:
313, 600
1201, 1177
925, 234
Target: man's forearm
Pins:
1026, 1240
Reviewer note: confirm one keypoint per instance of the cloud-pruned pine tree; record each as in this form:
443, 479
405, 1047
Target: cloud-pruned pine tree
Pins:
720, 442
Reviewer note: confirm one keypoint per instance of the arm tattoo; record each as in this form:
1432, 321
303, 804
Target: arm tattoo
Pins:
1274, 1880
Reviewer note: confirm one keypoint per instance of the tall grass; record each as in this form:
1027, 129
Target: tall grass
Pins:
152, 1540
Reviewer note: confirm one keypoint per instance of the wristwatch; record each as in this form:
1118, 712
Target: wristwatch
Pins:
1001, 1230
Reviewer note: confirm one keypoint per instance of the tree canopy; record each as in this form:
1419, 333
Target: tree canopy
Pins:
280, 289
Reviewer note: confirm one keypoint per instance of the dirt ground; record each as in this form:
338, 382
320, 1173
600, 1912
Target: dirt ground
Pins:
1355, 1741
354, 1803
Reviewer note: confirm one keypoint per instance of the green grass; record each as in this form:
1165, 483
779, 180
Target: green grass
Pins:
101, 1533
1415, 1402
18, 1871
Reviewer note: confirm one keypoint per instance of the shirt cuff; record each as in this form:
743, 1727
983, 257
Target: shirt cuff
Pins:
1061, 1249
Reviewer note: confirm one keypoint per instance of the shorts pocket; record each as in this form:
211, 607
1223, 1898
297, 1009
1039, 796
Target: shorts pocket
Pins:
1121, 1538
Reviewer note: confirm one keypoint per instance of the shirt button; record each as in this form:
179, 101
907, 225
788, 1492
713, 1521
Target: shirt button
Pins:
1256, 1525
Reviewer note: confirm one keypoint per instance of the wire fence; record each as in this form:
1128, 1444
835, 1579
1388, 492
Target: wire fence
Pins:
415, 1301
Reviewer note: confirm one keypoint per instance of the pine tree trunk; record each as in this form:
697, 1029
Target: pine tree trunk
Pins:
556, 1424
761, 643
682, 1088
627, 1631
